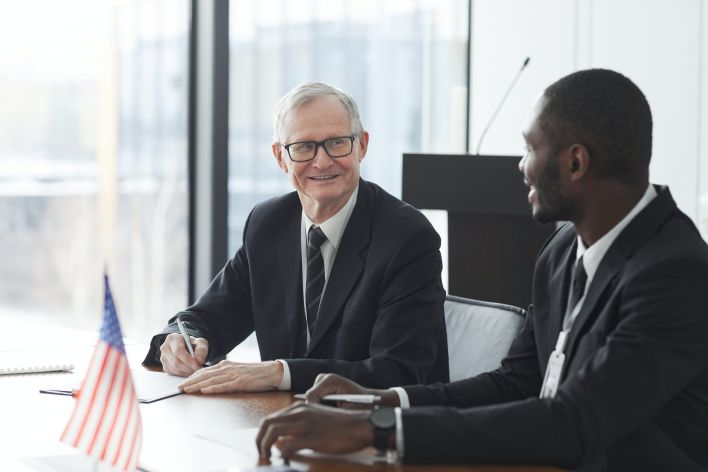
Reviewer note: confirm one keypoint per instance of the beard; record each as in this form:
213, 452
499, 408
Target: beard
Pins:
553, 202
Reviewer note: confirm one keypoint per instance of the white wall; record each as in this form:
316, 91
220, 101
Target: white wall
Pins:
659, 44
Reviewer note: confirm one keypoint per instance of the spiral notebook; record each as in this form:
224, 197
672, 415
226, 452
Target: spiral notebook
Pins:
35, 369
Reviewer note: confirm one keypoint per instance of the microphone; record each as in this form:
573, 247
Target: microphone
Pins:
508, 91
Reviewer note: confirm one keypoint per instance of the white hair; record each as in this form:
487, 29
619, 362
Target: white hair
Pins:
305, 93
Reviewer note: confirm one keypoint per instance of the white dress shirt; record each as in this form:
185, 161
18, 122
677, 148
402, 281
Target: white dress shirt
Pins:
593, 255
333, 228
591, 261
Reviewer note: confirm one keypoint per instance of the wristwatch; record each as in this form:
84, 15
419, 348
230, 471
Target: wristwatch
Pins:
383, 421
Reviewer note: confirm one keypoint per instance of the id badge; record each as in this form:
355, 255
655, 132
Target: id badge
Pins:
553, 374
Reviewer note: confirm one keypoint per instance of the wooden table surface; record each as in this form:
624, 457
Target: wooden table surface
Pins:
32, 423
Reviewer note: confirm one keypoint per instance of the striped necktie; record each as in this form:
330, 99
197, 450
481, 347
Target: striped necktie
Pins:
315, 274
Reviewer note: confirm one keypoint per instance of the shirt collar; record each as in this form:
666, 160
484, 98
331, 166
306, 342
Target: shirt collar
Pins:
333, 227
592, 256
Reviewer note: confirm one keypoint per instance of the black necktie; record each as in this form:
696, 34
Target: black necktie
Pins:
577, 288
315, 274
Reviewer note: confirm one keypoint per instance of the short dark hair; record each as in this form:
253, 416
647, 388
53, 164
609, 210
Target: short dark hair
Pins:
608, 114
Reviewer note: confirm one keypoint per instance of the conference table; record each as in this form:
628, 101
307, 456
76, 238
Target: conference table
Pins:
178, 432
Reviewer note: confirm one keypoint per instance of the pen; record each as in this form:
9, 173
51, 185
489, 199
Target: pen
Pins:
185, 336
362, 399
69, 393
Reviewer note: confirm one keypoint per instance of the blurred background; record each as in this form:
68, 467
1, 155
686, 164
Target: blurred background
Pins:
95, 119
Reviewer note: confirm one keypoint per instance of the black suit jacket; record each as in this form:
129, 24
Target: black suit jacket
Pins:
634, 393
381, 320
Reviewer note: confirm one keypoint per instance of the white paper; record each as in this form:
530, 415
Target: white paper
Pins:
149, 386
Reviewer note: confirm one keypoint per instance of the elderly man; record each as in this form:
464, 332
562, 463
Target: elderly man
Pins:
611, 368
338, 276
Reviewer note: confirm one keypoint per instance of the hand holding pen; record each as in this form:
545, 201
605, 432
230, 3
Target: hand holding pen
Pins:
182, 354
185, 335
332, 389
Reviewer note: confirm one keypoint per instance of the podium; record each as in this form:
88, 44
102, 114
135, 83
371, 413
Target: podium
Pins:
492, 239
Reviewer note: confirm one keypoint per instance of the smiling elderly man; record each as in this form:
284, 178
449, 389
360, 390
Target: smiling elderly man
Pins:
338, 276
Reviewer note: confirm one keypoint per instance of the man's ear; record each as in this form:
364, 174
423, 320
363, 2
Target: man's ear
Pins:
578, 161
363, 145
278, 154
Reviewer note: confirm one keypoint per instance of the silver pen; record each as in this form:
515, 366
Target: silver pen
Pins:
363, 399
185, 336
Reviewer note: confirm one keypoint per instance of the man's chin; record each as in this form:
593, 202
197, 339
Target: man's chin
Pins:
543, 217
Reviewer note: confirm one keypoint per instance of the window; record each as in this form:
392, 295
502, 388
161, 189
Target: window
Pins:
403, 61
93, 150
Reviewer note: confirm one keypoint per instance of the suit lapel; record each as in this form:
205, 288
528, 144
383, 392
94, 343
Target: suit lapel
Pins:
632, 238
348, 264
290, 265
606, 271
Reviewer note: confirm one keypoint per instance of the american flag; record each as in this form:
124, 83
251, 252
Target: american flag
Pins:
105, 423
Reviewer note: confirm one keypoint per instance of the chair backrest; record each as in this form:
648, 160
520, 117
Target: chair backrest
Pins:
479, 334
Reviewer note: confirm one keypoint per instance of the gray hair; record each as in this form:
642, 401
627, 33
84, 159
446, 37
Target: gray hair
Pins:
307, 92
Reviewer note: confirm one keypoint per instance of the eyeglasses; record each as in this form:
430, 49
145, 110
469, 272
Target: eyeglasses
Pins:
304, 151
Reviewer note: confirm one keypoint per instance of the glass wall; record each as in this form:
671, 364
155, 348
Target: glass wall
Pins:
403, 61
93, 159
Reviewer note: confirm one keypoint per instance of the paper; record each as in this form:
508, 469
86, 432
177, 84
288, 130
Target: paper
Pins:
153, 386
30, 362
149, 386
35, 368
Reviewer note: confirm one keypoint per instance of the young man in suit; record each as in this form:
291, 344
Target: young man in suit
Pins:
610, 371
338, 276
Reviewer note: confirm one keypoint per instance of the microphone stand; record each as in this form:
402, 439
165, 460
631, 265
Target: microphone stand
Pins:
508, 91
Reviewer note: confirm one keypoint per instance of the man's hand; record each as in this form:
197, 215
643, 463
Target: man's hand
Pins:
310, 426
175, 358
227, 376
333, 384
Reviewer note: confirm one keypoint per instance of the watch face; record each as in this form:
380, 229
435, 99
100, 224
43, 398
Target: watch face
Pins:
383, 418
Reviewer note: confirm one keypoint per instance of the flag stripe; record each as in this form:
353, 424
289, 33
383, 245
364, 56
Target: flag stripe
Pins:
129, 458
117, 442
70, 425
83, 395
91, 402
111, 406
122, 435
106, 433
102, 400
119, 406
109, 397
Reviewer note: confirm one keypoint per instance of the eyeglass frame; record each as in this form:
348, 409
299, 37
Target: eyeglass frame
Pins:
319, 144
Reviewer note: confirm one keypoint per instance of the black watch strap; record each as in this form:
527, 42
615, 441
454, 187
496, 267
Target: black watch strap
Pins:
383, 422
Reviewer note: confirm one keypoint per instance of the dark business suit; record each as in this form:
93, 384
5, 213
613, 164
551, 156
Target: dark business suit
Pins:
381, 320
634, 393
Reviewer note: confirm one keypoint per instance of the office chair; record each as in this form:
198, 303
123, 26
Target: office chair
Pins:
479, 334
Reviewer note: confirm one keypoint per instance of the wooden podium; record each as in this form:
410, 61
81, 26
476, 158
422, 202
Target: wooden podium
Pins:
493, 241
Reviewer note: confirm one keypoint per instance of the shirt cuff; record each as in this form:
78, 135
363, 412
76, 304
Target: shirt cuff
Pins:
399, 432
402, 397
285, 383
